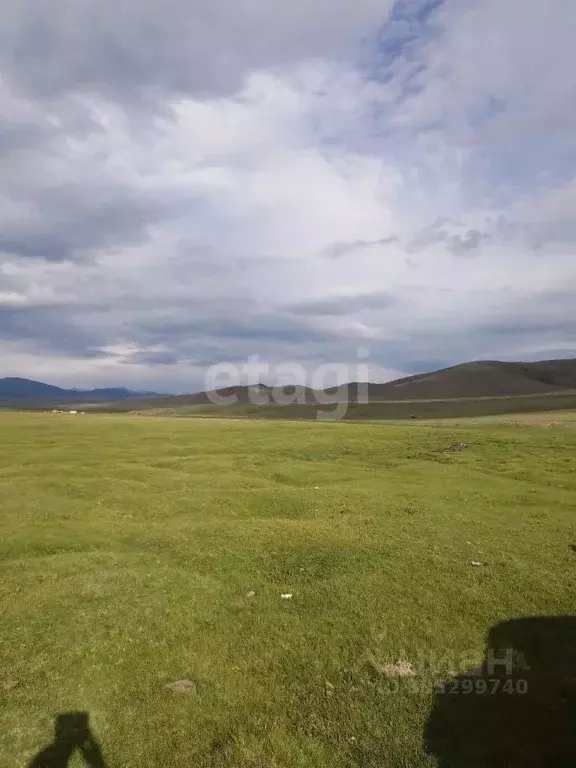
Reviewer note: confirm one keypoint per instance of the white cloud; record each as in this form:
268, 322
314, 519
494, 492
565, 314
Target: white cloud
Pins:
146, 246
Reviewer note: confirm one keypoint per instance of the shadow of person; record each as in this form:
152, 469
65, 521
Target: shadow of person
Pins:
71, 733
518, 710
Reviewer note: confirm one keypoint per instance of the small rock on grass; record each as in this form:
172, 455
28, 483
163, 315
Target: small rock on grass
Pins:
251, 593
286, 596
398, 670
455, 447
183, 686
477, 564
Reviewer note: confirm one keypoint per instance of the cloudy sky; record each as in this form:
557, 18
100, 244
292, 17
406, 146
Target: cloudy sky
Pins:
184, 183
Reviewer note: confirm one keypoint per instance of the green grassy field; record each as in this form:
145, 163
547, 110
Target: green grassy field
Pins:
129, 545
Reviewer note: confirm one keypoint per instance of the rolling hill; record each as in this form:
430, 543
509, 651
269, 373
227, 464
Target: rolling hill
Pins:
475, 380
237, 395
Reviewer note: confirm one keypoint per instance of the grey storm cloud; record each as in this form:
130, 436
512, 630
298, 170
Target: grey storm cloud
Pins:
343, 249
57, 207
463, 244
85, 330
49, 329
273, 326
169, 357
346, 305
548, 312
456, 243
67, 223
142, 52
59, 198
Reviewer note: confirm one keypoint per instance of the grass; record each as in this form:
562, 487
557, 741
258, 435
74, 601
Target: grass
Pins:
375, 410
542, 419
128, 546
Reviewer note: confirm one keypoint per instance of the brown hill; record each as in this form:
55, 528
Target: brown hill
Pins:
259, 394
469, 380
478, 379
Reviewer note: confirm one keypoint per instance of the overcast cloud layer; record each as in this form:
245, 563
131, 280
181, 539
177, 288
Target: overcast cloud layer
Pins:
185, 183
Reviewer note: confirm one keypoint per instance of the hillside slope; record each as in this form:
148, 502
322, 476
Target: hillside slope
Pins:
481, 379
468, 380
256, 394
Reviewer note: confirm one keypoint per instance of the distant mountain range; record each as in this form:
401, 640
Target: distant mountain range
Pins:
16, 389
486, 378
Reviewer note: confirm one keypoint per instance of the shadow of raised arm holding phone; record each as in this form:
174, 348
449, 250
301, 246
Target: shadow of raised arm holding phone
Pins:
518, 710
